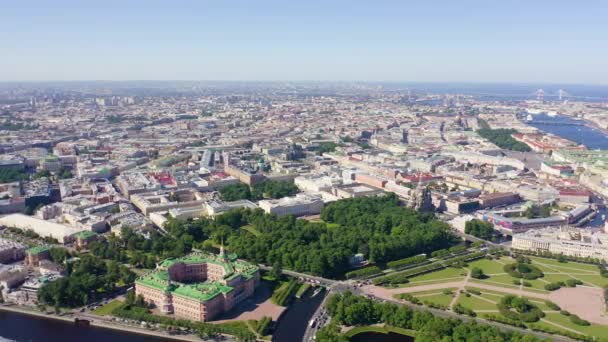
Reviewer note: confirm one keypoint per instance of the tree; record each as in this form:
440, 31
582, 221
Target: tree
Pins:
480, 229
235, 192
477, 273
277, 270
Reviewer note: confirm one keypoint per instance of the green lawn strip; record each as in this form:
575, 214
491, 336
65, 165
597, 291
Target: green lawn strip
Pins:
332, 225
449, 272
252, 230
281, 294
302, 289
538, 285
378, 329
431, 282
500, 280
566, 267
599, 331
108, 308
595, 280
552, 278
428, 292
440, 299
487, 266
477, 303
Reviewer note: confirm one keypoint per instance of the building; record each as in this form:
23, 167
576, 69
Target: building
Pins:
83, 238
564, 240
60, 232
11, 251
300, 205
199, 286
356, 190
12, 275
514, 225
37, 254
498, 199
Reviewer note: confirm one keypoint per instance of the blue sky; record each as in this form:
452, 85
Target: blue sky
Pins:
375, 40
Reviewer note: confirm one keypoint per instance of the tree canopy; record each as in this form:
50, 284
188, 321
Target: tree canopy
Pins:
348, 309
503, 138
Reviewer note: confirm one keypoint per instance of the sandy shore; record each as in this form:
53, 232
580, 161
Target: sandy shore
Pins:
100, 323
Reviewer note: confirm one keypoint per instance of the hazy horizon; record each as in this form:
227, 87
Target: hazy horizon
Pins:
541, 42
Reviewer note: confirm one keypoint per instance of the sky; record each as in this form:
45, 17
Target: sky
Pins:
533, 41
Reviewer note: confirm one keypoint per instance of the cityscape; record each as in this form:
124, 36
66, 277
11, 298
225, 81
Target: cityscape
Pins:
297, 198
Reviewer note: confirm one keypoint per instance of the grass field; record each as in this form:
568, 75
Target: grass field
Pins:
108, 308
487, 266
598, 331
498, 280
436, 296
485, 302
478, 302
569, 266
302, 289
450, 274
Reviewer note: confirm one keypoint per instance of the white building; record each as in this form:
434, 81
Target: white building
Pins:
61, 232
564, 240
300, 205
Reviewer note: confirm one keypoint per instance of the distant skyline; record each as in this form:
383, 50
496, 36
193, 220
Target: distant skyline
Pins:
392, 41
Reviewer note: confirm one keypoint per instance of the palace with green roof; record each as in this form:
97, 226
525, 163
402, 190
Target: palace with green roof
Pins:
199, 286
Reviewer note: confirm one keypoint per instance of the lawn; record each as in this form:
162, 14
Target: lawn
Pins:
596, 280
598, 331
498, 280
475, 303
302, 289
566, 267
487, 266
108, 308
449, 274
435, 297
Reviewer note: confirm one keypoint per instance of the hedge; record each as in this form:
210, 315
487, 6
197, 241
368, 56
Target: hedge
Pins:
397, 264
515, 271
363, 272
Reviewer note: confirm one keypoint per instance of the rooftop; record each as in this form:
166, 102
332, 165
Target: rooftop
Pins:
202, 291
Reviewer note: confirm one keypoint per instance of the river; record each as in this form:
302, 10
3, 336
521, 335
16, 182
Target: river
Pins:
571, 129
24, 328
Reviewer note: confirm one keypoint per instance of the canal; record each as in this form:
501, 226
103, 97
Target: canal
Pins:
293, 323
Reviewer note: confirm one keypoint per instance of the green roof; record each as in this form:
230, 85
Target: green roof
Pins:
37, 250
85, 234
202, 291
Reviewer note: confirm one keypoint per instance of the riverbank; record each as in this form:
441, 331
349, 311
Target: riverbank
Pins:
99, 324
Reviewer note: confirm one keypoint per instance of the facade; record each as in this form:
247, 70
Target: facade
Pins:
300, 205
12, 275
564, 240
11, 251
199, 286
498, 199
35, 255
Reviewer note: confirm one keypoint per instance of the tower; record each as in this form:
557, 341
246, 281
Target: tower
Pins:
540, 95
